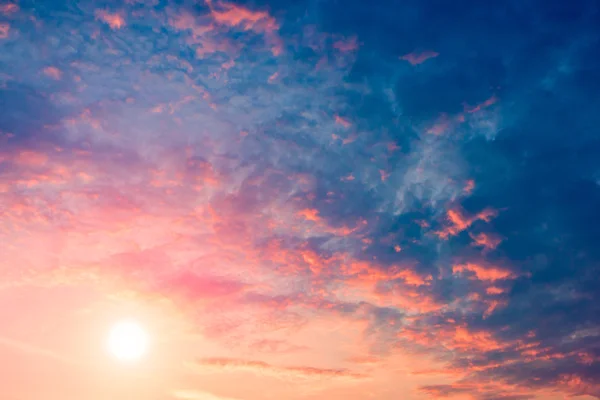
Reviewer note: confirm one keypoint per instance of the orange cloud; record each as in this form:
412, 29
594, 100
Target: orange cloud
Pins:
454, 337
460, 221
482, 272
114, 20
361, 281
480, 341
578, 385
310, 214
412, 278
486, 240
371, 273
492, 306
419, 58
494, 290
413, 301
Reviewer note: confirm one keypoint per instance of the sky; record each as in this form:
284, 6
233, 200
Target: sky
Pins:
307, 199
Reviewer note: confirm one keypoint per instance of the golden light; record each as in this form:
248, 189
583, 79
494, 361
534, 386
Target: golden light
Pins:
128, 341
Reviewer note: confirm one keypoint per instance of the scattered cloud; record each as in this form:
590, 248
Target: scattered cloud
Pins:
114, 20
419, 58
314, 208
4, 30
53, 72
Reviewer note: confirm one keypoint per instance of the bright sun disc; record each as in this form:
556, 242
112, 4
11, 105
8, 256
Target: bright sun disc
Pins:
127, 341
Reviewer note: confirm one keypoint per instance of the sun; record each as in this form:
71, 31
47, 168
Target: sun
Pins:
128, 341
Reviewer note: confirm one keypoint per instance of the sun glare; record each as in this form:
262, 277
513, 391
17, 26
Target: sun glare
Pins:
127, 341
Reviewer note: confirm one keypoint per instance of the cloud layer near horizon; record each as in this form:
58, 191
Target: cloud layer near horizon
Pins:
327, 190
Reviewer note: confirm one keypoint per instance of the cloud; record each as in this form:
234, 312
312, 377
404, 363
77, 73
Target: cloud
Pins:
114, 20
419, 58
487, 240
459, 221
234, 15
261, 22
4, 30
316, 208
53, 72
197, 395
9, 8
348, 45
211, 365
193, 287
481, 272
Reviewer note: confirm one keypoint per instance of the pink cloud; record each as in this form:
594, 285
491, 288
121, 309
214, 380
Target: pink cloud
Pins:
114, 20
238, 16
186, 21
419, 58
346, 46
53, 72
342, 121
469, 186
384, 175
4, 30
31, 158
440, 127
489, 102
234, 15
197, 287
204, 36
9, 8
227, 65
261, 22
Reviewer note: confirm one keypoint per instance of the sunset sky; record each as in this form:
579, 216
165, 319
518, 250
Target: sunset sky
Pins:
300, 199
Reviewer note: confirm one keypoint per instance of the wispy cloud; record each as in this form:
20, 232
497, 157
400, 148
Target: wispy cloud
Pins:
259, 367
